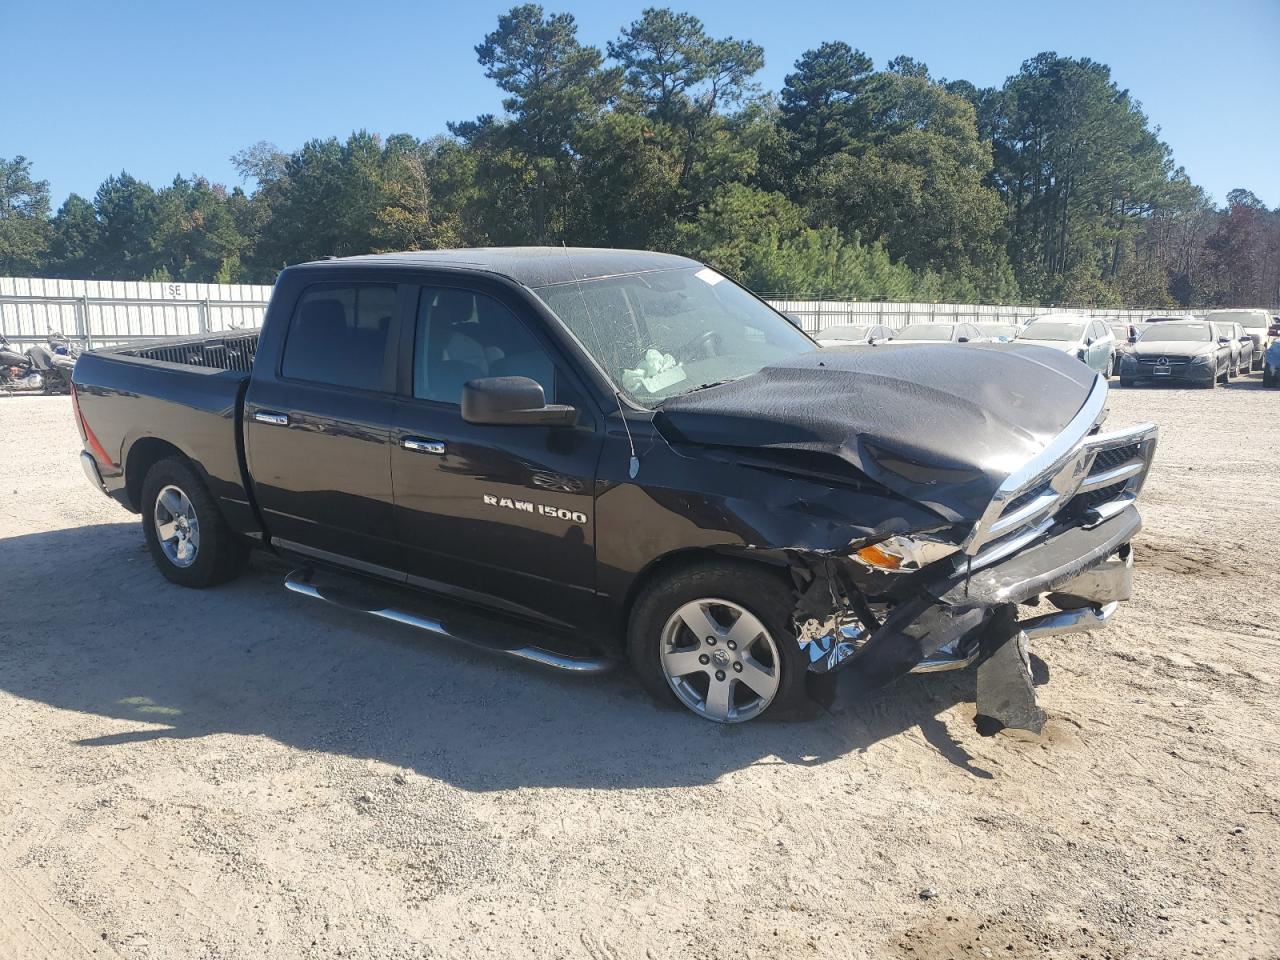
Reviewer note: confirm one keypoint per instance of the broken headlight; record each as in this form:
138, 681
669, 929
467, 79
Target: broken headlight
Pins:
898, 554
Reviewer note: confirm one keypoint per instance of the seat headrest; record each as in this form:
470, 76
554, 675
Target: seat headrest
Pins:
324, 318
454, 306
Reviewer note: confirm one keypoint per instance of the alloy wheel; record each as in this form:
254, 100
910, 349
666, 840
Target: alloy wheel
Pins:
177, 526
720, 660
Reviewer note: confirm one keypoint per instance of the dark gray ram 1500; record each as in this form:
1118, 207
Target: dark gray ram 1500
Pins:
583, 456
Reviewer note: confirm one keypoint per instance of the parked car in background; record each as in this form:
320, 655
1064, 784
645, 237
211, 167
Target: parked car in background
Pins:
1188, 352
850, 334
1255, 323
1088, 340
940, 333
1241, 346
1001, 332
1271, 365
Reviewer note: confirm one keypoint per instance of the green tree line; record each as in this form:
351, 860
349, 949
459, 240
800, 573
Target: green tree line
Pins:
849, 182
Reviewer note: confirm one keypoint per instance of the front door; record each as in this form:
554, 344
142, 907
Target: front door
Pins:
499, 514
318, 428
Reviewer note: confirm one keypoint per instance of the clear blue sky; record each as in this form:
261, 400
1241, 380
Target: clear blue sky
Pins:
91, 88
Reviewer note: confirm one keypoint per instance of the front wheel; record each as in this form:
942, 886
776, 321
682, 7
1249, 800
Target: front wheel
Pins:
718, 639
189, 540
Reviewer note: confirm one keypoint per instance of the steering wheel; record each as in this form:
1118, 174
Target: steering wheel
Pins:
696, 349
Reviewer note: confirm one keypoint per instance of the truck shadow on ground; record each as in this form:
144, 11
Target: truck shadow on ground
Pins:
92, 627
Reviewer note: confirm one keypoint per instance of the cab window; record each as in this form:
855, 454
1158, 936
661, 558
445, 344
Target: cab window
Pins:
341, 336
465, 335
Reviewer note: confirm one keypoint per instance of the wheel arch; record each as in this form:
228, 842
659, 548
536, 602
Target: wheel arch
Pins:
670, 563
145, 453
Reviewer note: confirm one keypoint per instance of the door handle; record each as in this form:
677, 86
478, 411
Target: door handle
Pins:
423, 445
268, 416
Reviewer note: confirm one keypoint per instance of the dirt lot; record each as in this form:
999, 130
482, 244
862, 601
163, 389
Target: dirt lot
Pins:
246, 773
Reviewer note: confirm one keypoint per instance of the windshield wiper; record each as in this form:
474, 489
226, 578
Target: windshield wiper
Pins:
713, 383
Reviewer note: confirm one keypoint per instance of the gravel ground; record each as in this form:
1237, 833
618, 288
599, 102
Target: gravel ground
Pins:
246, 773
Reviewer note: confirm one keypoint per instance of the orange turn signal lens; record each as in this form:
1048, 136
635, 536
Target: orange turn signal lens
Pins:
876, 557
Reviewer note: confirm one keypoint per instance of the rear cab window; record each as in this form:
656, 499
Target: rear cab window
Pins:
341, 336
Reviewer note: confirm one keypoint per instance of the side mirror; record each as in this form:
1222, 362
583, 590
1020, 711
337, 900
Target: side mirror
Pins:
512, 401
1088, 341
962, 339
1133, 338
1224, 340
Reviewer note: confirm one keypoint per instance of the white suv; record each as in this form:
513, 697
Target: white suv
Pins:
1255, 323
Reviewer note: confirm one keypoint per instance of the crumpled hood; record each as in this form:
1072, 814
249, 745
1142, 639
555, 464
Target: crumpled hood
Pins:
943, 424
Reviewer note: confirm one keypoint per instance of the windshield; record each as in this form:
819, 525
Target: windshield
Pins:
1054, 331
844, 333
1182, 332
998, 330
668, 332
925, 331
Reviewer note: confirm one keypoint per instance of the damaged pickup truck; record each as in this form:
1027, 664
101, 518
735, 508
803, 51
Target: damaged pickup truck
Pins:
579, 457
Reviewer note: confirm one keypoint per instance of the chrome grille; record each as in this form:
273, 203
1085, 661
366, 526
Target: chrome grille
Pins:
1107, 468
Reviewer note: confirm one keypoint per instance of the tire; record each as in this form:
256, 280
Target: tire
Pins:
1258, 364
1225, 376
203, 552
1268, 379
1213, 383
1126, 382
717, 594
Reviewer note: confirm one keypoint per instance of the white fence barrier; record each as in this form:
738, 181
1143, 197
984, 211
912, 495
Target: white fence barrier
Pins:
817, 315
100, 313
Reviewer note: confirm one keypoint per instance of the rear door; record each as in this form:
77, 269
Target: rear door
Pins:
1100, 348
500, 514
318, 427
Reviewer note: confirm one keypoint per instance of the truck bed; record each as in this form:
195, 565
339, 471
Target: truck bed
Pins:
146, 401
217, 351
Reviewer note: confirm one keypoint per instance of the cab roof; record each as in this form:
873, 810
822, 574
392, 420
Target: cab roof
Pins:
530, 266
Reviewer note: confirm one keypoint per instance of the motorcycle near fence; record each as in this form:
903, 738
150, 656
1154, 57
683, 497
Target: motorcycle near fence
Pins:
41, 368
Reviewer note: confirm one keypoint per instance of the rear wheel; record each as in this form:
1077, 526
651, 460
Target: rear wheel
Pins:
188, 538
718, 639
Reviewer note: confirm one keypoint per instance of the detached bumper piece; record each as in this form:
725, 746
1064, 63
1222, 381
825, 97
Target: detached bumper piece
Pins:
964, 619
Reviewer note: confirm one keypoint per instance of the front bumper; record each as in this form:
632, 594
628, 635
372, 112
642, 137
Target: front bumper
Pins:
1190, 373
1089, 570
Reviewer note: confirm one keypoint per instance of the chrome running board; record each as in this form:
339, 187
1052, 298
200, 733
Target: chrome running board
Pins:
299, 581
1051, 624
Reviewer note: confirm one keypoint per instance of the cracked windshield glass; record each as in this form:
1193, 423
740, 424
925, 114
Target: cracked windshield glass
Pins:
669, 332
